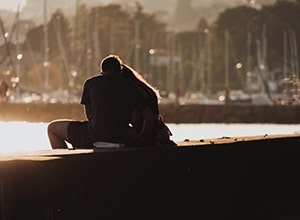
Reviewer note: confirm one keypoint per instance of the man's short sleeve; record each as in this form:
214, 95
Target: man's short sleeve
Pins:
85, 100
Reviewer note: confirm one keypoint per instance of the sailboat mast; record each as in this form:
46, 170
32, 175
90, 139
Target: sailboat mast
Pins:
46, 47
137, 45
227, 58
294, 55
209, 64
285, 58
6, 42
19, 56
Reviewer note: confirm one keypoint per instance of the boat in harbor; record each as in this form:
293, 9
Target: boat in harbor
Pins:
198, 98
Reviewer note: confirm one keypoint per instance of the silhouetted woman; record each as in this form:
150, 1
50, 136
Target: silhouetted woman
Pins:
157, 132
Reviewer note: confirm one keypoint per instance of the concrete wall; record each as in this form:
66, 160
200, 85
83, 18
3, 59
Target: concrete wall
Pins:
255, 179
171, 113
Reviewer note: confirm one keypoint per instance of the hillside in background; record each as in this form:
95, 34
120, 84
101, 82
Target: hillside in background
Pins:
178, 14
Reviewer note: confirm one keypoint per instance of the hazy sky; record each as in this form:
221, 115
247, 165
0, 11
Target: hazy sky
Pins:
12, 4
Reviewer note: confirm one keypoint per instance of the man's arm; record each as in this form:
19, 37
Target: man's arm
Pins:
87, 111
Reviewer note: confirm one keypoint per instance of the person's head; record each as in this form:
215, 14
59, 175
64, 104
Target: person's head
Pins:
132, 75
111, 64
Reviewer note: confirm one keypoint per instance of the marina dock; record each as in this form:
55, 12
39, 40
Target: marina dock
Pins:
223, 178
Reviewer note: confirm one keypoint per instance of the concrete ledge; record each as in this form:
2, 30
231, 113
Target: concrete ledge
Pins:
234, 178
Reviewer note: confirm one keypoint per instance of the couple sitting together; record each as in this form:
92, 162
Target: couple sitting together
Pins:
120, 107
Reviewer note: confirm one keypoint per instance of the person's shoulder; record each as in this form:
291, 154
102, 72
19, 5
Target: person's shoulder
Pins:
94, 78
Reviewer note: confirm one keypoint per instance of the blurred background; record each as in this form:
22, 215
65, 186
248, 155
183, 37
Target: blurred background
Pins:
192, 51
208, 52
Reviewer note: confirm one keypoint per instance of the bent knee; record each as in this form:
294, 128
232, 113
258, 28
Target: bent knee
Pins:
58, 127
52, 127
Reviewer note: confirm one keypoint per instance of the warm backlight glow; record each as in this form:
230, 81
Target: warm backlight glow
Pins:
12, 4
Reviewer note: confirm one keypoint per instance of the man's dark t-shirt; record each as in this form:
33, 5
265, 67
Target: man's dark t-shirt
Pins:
111, 100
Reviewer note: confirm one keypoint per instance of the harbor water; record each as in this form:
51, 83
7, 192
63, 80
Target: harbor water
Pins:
20, 137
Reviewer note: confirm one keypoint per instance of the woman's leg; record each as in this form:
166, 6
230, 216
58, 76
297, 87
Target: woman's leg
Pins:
58, 133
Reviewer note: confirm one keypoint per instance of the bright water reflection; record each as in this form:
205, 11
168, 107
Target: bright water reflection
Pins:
211, 130
25, 136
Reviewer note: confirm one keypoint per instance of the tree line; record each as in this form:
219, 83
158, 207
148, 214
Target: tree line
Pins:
256, 36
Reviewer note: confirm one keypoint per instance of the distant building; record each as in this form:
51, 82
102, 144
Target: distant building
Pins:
160, 57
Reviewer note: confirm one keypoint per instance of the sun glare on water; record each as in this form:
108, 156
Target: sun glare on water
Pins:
23, 136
